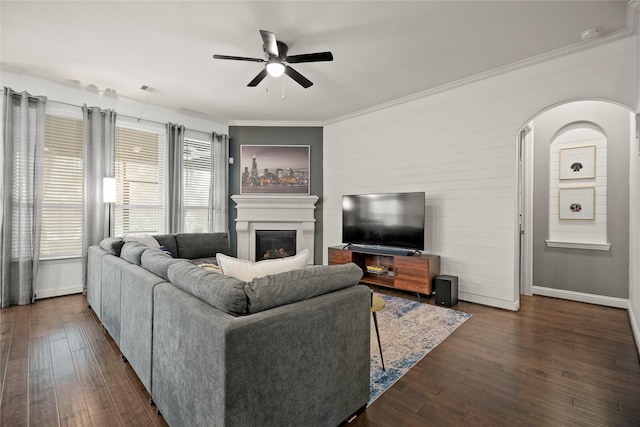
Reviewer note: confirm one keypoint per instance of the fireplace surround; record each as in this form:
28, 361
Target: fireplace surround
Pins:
274, 212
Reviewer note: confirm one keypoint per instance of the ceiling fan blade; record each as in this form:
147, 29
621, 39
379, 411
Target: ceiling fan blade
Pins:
238, 58
257, 79
310, 57
270, 43
302, 80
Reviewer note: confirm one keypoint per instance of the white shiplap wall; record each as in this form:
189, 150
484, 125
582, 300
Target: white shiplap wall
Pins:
459, 147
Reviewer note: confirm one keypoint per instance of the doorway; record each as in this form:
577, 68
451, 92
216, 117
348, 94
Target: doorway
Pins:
572, 266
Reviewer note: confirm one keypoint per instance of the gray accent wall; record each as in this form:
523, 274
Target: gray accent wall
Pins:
258, 135
594, 272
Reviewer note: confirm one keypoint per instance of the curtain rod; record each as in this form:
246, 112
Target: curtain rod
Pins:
135, 118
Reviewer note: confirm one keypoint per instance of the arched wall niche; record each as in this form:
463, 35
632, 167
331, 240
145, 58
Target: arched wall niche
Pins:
578, 187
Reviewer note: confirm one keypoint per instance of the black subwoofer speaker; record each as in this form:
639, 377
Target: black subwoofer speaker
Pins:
446, 288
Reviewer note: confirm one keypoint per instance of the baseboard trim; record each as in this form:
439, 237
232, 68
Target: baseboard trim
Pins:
492, 302
49, 293
582, 297
635, 328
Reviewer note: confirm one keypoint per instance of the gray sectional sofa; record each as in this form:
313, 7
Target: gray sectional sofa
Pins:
287, 349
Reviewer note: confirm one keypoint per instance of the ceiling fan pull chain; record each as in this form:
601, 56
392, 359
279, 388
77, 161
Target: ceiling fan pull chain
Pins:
283, 88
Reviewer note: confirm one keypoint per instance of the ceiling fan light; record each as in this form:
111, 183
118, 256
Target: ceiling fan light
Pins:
275, 69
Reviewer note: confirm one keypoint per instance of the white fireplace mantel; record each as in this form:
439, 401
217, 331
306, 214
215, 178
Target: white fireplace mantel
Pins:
274, 212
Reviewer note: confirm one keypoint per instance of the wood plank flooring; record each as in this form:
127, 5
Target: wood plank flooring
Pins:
59, 367
553, 363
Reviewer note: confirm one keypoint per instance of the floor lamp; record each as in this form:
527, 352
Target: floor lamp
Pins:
109, 196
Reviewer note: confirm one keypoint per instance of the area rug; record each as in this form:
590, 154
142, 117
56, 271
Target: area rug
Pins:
408, 331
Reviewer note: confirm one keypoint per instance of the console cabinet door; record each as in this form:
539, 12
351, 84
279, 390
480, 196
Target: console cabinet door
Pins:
339, 256
412, 274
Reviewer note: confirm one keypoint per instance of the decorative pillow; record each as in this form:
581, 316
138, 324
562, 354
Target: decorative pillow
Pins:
146, 239
166, 250
248, 270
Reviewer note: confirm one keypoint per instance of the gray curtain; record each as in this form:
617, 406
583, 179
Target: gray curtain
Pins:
21, 187
175, 153
219, 188
98, 142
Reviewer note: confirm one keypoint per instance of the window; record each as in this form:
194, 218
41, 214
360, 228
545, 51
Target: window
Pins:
139, 171
62, 185
196, 183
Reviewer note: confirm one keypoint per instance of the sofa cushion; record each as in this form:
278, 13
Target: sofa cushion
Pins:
292, 286
146, 239
157, 262
225, 293
169, 242
112, 245
247, 270
132, 252
201, 245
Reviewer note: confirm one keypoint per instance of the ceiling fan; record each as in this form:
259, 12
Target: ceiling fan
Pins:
277, 60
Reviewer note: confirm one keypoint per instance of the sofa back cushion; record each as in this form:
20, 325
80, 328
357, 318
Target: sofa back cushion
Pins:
132, 252
169, 242
146, 239
201, 245
225, 293
248, 270
285, 288
157, 261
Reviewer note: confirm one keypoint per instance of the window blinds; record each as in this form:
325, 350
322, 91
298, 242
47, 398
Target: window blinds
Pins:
139, 173
62, 188
196, 182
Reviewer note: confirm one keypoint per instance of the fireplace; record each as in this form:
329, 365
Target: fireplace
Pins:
272, 244
294, 214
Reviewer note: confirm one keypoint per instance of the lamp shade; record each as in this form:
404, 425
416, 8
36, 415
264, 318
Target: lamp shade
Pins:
109, 190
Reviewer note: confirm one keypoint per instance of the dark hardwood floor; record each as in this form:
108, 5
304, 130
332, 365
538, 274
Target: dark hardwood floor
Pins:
553, 363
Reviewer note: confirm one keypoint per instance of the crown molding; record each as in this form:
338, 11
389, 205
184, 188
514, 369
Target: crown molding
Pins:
630, 30
268, 123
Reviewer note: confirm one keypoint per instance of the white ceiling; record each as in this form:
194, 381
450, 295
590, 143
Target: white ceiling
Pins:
383, 50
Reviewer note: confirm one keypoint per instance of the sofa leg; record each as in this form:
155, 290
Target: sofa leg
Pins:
158, 411
151, 402
356, 414
123, 359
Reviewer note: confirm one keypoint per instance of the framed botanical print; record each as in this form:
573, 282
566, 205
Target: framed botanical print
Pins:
577, 203
578, 162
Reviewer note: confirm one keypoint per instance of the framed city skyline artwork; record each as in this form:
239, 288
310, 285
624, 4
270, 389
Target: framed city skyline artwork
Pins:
274, 169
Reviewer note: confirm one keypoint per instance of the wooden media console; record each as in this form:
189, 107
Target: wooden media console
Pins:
412, 273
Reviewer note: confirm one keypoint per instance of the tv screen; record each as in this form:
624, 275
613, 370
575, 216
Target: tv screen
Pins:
392, 219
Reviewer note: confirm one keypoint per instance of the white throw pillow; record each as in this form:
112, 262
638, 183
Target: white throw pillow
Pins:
248, 270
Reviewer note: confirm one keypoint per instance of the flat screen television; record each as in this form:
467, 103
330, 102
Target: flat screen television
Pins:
393, 220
